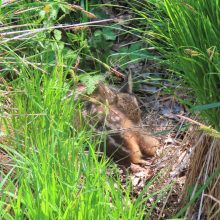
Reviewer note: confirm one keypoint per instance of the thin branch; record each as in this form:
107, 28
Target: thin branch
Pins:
37, 30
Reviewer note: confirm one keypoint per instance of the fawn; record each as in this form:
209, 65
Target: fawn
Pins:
119, 114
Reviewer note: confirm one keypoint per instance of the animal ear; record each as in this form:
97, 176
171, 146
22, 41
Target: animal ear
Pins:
128, 86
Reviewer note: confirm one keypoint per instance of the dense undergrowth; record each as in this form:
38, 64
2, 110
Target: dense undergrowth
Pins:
55, 178
187, 35
56, 172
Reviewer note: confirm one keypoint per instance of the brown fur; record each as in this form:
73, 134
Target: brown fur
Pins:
128, 104
136, 140
120, 113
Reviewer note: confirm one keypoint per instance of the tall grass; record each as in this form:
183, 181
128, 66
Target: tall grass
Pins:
58, 173
196, 37
55, 177
190, 36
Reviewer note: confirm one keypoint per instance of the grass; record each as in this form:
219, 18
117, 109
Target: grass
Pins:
187, 34
55, 178
198, 47
58, 173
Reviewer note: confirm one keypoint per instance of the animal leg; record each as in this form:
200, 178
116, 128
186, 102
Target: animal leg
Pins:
134, 149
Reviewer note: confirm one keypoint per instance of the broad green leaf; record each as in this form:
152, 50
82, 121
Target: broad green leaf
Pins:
57, 35
135, 46
97, 33
123, 50
109, 34
42, 13
91, 82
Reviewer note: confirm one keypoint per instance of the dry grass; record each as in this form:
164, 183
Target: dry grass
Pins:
204, 162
